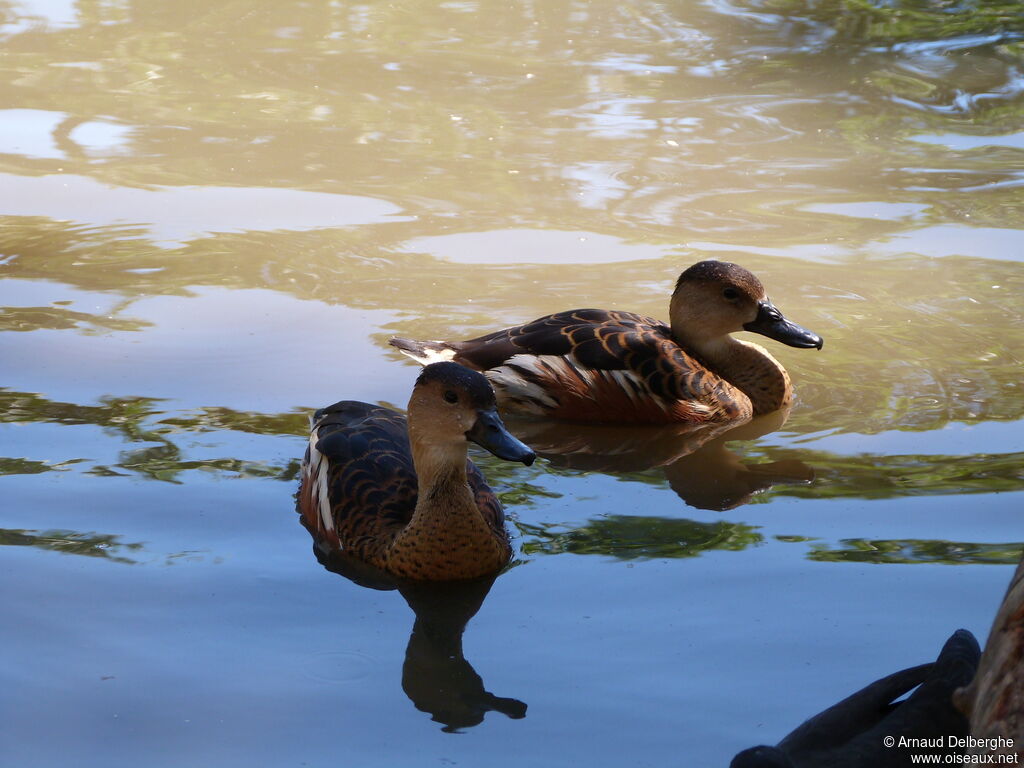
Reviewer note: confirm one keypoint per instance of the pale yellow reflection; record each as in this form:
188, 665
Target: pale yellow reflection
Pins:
695, 123
180, 213
439, 171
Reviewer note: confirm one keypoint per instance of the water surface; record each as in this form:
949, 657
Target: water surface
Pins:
215, 215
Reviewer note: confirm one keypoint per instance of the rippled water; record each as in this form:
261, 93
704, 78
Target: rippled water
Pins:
213, 217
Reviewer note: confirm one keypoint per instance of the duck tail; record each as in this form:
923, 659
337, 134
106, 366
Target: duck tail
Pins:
424, 352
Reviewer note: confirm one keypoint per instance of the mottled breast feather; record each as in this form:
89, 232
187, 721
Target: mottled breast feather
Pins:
369, 480
597, 340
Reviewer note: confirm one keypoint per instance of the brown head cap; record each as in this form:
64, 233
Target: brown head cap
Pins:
723, 273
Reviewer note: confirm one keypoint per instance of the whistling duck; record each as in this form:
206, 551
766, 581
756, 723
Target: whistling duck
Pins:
400, 494
608, 366
854, 732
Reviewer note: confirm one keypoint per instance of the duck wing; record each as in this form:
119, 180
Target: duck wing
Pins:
359, 483
604, 355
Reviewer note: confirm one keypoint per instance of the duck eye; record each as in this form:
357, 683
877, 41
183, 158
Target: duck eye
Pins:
451, 397
731, 293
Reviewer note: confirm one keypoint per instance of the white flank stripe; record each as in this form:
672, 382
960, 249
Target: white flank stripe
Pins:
323, 501
585, 373
623, 379
316, 474
509, 382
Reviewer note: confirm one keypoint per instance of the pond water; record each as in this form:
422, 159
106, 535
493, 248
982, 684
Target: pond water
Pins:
215, 214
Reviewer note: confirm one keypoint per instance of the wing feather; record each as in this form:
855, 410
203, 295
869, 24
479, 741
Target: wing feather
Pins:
367, 472
604, 340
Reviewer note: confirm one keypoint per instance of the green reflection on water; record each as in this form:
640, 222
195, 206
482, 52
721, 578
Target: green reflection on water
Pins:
107, 546
139, 419
215, 419
646, 537
165, 463
135, 419
859, 21
880, 476
919, 551
56, 318
122, 416
12, 466
628, 537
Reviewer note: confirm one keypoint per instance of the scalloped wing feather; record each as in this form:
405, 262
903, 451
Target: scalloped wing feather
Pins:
359, 486
596, 365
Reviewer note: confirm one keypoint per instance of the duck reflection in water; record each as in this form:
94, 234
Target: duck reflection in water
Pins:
698, 465
436, 676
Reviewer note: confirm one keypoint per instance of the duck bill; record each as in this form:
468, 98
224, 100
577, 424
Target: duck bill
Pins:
490, 432
770, 322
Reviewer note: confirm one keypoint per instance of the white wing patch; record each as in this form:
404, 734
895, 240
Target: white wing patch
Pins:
588, 375
426, 355
437, 356
632, 385
510, 381
315, 472
517, 382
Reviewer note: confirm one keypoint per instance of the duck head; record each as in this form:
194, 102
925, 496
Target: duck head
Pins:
451, 404
715, 298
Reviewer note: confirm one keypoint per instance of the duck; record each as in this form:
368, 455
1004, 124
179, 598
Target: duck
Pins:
598, 365
854, 732
399, 493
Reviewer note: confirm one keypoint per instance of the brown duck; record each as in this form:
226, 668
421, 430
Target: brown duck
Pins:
607, 366
402, 495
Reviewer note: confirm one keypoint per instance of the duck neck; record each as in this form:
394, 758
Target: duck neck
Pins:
447, 536
441, 476
748, 367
